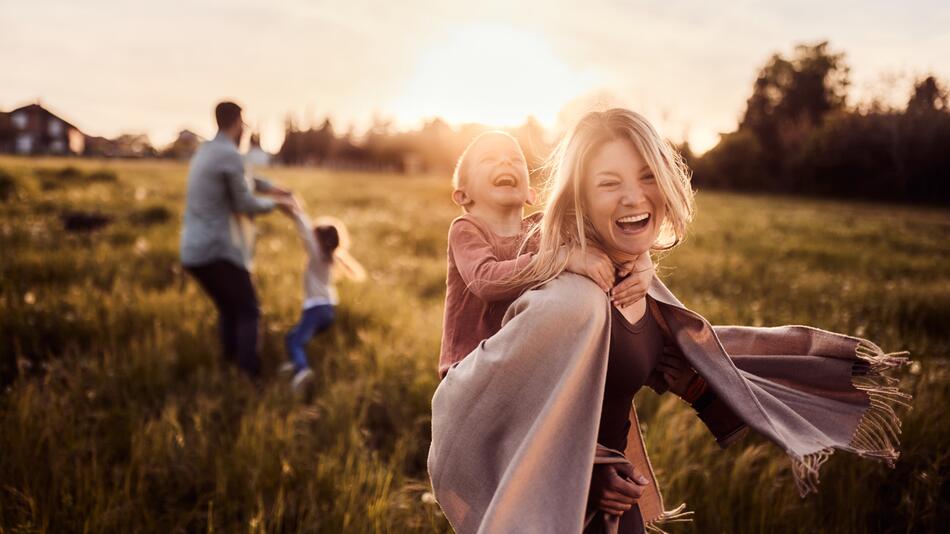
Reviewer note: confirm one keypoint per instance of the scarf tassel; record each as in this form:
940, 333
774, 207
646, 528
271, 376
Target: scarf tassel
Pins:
877, 433
676, 515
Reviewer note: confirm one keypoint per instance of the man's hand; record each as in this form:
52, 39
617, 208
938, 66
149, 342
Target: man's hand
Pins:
287, 204
615, 488
634, 287
594, 264
278, 191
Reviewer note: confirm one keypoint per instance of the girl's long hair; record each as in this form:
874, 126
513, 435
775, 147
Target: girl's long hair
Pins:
334, 241
565, 222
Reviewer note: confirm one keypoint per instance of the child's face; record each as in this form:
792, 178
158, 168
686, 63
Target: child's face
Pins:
497, 174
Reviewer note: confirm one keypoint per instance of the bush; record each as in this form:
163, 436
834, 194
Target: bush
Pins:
55, 178
8, 186
151, 215
737, 162
882, 156
103, 175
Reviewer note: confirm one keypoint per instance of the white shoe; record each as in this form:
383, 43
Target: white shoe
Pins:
301, 379
286, 370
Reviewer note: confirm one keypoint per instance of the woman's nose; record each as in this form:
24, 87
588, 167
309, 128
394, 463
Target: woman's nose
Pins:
632, 195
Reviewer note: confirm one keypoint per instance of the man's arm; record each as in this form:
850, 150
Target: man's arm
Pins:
481, 270
242, 198
266, 187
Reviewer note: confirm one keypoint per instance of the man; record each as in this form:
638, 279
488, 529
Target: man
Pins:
217, 241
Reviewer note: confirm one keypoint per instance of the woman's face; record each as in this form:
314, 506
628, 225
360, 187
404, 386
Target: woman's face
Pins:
622, 200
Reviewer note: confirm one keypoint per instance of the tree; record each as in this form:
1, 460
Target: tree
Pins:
791, 97
928, 97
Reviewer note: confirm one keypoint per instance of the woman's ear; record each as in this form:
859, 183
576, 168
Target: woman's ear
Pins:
461, 198
532, 196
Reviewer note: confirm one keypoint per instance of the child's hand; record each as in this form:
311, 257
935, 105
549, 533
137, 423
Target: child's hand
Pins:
594, 264
634, 286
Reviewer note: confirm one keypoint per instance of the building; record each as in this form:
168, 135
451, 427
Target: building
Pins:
6, 134
34, 130
183, 146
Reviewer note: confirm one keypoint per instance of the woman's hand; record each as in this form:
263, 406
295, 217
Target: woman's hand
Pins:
615, 488
676, 371
594, 264
634, 287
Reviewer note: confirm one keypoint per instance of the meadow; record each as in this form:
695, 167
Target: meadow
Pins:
118, 415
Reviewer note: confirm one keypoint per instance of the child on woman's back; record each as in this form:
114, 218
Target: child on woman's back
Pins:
486, 246
326, 243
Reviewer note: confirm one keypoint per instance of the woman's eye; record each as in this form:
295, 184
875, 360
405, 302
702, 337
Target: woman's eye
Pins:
648, 178
608, 183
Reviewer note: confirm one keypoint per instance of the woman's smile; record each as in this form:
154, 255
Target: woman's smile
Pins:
633, 224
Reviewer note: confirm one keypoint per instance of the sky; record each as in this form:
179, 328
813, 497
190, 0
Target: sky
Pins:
113, 67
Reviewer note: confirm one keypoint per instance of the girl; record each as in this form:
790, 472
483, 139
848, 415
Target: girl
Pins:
534, 431
326, 243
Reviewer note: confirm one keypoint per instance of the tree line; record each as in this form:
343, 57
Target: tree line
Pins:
798, 134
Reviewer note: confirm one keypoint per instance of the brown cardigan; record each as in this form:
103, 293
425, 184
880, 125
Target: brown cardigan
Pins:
514, 425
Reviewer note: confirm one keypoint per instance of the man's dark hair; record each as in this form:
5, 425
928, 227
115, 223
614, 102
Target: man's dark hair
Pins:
227, 113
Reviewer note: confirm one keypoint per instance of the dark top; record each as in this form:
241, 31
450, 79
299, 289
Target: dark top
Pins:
634, 352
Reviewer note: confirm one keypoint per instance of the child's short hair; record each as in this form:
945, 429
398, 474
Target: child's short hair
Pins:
460, 175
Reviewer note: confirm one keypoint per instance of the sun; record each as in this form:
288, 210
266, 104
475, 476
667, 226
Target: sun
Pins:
496, 75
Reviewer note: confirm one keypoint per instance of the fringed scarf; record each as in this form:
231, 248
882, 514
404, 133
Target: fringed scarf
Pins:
514, 425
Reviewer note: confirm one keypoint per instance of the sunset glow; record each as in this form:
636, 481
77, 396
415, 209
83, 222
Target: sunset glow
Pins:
494, 74
689, 66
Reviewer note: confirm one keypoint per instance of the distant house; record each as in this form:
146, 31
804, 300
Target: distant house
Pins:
34, 130
6, 134
183, 146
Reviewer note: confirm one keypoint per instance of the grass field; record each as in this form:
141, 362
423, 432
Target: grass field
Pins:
117, 414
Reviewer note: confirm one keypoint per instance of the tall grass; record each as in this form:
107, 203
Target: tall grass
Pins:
118, 415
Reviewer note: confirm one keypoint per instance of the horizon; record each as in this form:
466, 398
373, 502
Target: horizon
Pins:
355, 63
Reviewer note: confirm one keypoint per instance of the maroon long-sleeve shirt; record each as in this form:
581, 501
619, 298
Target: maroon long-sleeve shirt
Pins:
475, 298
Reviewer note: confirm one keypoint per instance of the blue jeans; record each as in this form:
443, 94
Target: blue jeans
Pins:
313, 320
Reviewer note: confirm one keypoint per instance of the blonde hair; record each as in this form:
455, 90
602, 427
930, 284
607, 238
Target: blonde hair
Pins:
351, 268
460, 175
565, 222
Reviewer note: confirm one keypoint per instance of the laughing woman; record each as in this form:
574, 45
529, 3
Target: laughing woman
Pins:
535, 431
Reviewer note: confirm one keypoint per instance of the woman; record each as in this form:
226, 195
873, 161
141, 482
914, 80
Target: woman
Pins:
516, 425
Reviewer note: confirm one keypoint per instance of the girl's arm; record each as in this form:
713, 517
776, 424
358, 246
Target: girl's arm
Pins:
304, 229
481, 270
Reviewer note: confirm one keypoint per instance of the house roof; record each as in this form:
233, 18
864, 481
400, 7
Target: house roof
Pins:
36, 108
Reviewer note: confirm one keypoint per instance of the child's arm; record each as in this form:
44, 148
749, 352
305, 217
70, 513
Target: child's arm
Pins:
634, 287
304, 228
481, 270
594, 264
